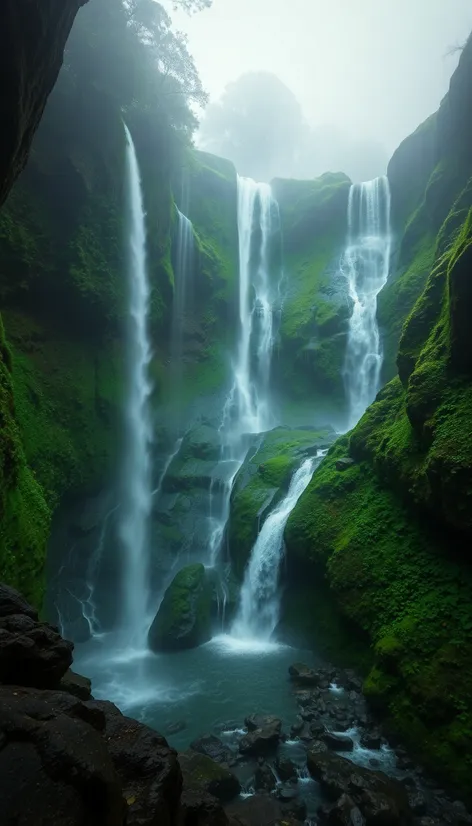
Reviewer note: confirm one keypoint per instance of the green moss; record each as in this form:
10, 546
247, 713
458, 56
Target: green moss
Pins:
315, 301
24, 514
261, 482
184, 617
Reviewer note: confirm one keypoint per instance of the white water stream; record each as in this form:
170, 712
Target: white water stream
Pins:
259, 607
136, 504
247, 407
366, 264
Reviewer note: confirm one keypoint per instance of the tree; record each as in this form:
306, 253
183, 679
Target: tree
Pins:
258, 124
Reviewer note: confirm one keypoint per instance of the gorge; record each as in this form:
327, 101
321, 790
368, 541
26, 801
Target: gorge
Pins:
235, 439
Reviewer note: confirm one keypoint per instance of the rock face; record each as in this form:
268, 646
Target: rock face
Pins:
201, 773
29, 66
184, 618
261, 741
32, 653
379, 799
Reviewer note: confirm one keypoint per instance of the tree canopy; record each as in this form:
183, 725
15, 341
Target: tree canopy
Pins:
130, 50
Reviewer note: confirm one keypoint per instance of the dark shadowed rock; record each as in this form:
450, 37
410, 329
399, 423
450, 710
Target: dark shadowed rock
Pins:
264, 778
77, 685
261, 740
12, 602
147, 767
32, 653
337, 742
260, 810
371, 740
345, 813
33, 34
302, 674
200, 773
54, 768
381, 800
198, 808
261, 721
213, 747
285, 768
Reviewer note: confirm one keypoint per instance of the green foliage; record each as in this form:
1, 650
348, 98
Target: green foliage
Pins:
24, 514
184, 617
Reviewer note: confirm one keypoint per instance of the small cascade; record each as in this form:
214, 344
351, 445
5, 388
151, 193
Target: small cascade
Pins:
136, 478
184, 269
247, 409
259, 606
366, 264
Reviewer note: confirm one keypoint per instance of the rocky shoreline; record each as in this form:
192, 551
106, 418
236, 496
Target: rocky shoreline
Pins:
68, 759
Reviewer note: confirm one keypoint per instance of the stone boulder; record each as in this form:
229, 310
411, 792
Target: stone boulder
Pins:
303, 674
200, 773
261, 741
380, 799
76, 685
199, 808
260, 810
212, 747
32, 653
54, 767
184, 617
337, 742
262, 721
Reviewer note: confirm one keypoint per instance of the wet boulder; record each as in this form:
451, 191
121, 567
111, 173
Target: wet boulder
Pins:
261, 741
76, 685
285, 768
184, 617
261, 721
303, 675
345, 813
380, 799
213, 747
337, 742
201, 773
260, 810
199, 808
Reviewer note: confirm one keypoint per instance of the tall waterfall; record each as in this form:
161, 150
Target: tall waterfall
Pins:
366, 262
137, 489
183, 287
247, 407
259, 607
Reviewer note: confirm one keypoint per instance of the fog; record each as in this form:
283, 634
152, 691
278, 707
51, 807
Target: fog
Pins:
364, 74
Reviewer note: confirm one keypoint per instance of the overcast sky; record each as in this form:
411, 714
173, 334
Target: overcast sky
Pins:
375, 68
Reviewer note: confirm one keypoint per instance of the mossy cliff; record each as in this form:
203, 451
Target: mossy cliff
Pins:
263, 480
315, 302
210, 201
390, 535
29, 69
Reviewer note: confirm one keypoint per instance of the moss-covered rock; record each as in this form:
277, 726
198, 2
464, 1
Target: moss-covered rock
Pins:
315, 300
184, 617
261, 482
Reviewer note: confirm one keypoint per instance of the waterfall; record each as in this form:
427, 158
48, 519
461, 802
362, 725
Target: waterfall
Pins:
259, 606
137, 489
247, 409
183, 292
366, 263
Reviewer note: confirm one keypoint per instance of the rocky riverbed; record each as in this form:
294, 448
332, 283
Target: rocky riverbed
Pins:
68, 759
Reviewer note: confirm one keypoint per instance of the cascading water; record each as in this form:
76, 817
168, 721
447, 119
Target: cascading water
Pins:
259, 606
183, 292
137, 487
247, 407
366, 263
